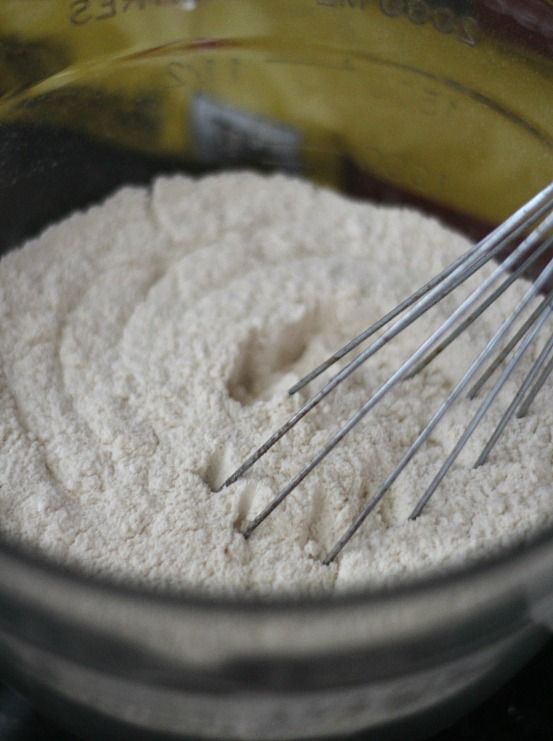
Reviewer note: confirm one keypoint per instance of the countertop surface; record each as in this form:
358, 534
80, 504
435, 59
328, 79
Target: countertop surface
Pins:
522, 710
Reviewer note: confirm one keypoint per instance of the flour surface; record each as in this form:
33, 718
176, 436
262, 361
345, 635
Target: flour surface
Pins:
146, 346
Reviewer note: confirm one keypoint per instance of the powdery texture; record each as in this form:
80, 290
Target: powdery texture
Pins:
147, 345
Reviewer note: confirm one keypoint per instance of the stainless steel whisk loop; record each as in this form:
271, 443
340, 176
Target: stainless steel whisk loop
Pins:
531, 230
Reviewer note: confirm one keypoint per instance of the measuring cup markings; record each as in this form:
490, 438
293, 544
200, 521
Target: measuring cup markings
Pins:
82, 12
181, 74
426, 101
419, 12
345, 66
201, 73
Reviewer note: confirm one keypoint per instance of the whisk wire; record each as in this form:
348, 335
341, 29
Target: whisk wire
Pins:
492, 298
534, 391
507, 416
475, 421
427, 431
532, 227
414, 313
383, 321
505, 352
497, 240
398, 375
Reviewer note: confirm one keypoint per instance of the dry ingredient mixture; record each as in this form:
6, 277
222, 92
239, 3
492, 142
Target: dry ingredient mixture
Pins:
146, 346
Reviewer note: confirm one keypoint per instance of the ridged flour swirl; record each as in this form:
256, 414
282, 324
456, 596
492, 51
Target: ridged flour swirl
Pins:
146, 347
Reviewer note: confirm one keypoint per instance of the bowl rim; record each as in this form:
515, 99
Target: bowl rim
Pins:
483, 567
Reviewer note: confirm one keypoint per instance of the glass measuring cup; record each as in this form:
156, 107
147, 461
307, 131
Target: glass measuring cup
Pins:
436, 103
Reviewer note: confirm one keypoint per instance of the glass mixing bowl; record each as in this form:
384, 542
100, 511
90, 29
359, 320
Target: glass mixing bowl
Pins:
442, 104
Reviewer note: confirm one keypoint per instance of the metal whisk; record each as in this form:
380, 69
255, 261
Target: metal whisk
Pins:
531, 229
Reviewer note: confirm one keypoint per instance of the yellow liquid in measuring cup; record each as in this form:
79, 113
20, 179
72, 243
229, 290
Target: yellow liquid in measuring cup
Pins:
421, 94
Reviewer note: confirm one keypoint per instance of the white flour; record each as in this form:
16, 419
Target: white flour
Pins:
146, 348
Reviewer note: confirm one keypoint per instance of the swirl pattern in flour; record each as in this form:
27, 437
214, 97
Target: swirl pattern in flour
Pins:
146, 347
